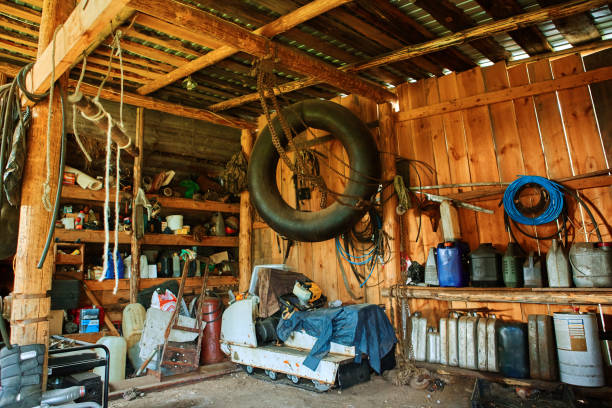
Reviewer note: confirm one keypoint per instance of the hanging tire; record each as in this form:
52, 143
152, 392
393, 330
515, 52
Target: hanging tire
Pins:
336, 218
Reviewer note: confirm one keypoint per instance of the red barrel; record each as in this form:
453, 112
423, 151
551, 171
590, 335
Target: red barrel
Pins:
212, 308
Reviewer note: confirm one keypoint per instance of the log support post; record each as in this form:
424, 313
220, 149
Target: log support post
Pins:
138, 161
31, 303
388, 143
245, 238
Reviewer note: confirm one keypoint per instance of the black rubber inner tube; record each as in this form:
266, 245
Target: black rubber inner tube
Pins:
336, 218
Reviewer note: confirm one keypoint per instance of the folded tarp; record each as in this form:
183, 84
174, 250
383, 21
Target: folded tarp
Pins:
364, 326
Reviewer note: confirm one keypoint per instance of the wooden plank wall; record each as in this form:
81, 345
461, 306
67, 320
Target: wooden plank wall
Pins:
318, 260
552, 135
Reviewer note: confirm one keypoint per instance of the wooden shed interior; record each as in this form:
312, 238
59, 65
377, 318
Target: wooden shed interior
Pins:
473, 93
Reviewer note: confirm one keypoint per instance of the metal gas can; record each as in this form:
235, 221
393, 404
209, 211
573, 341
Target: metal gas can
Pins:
542, 359
591, 264
448, 340
487, 344
419, 337
532, 271
467, 342
433, 345
512, 266
557, 266
431, 269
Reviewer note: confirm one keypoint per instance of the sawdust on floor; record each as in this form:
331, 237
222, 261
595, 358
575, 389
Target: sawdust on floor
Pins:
240, 390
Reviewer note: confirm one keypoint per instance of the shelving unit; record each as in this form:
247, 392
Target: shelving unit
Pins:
558, 296
77, 195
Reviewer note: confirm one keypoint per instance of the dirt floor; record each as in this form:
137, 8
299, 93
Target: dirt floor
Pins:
240, 390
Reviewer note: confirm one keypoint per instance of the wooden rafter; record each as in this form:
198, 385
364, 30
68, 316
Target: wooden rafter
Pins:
277, 26
531, 39
85, 28
237, 37
482, 31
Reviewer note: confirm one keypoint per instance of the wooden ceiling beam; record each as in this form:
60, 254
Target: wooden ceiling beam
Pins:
85, 28
237, 37
531, 39
455, 19
280, 25
578, 29
460, 37
16, 10
162, 106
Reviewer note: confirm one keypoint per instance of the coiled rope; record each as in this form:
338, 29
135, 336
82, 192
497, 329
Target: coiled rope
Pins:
553, 190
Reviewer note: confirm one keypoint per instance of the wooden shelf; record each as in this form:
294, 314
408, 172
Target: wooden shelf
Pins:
188, 204
195, 282
561, 296
90, 236
77, 194
95, 236
187, 240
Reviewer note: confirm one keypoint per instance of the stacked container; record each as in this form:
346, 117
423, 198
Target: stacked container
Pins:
557, 267
487, 344
485, 266
452, 264
431, 269
579, 349
433, 346
419, 336
591, 264
467, 341
448, 340
512, 266
542, 359
532, 272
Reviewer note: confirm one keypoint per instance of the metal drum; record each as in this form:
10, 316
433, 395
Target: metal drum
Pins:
579, 349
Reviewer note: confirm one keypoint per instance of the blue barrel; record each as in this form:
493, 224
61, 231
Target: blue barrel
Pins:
512, 350
452, 264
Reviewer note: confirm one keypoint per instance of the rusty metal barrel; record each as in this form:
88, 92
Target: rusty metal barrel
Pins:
212, 309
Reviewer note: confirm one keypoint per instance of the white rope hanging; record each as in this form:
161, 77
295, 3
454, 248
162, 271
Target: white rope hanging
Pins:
74, 116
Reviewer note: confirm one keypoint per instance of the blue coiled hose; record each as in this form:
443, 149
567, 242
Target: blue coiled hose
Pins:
551, 213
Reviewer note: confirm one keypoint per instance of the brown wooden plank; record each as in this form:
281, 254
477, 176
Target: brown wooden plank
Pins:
551, 124
481, 151
458, 155
232, 35
521, 91
530, 39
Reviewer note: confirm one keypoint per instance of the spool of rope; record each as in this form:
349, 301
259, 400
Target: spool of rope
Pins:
554, 196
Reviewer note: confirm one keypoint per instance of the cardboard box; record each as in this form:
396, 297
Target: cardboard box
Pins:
56, 322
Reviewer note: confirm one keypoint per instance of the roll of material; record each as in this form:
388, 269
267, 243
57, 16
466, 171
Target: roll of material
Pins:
84, 180
175, 222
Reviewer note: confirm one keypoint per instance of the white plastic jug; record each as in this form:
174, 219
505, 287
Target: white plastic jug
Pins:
118, 352
134, 316
419, 337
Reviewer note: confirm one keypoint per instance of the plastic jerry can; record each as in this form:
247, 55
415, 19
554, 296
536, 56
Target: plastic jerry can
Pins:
431, 269
591, 264
485, 266
557, 267
512, 350
487, 344
448, 340
467, 342
532, 271
542, 359
512, 266
117, 348
452, 264
419, 337
433, 346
